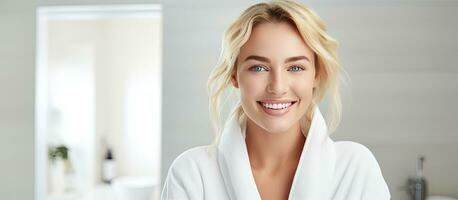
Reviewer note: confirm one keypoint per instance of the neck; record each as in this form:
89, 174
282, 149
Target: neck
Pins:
270, 151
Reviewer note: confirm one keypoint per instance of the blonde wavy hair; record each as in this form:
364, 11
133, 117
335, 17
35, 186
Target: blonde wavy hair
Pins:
313, 31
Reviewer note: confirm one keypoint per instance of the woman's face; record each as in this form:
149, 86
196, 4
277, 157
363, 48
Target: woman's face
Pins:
276, 76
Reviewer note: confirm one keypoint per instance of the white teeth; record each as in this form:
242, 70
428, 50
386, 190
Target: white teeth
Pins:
277, 106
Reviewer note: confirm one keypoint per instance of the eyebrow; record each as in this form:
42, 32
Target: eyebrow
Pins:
264, 59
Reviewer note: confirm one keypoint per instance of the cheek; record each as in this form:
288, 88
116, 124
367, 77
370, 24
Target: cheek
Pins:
303, 88
251, 87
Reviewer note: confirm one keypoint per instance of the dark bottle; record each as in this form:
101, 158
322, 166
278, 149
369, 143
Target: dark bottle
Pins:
108, 167
417, 185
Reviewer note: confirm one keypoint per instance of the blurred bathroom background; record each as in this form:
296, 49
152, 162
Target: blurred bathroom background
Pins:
99, 96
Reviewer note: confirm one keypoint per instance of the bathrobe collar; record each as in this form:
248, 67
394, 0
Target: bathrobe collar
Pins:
313, 177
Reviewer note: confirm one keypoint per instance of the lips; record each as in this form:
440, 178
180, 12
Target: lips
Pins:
276, 108
276, 105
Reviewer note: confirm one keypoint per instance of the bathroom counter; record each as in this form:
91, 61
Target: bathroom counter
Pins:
101, 192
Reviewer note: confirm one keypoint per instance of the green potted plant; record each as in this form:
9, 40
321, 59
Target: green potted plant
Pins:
59, 167
58, 152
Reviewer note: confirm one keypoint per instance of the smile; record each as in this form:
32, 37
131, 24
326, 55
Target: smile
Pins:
276, 108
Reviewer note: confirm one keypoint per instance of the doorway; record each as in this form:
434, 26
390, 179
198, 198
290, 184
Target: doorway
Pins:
98, 100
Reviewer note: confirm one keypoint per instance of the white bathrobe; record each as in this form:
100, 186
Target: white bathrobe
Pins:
326, 170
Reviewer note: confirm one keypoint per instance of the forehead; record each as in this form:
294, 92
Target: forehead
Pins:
275, 40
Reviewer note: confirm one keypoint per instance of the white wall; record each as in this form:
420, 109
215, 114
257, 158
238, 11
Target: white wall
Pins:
17, 82
402, 60
128, 77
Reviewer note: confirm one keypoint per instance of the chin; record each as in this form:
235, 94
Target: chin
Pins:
277, 127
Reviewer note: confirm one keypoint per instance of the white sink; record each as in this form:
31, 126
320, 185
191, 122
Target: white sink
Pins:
135, 188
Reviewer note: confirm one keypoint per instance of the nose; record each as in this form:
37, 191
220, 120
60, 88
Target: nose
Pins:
278, 84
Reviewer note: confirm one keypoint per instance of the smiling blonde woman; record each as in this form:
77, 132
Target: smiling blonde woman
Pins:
275, 144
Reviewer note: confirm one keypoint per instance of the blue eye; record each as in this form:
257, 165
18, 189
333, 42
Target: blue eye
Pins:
258, 68
296, 68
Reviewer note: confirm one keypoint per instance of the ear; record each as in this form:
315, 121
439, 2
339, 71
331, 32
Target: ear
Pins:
234, 81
